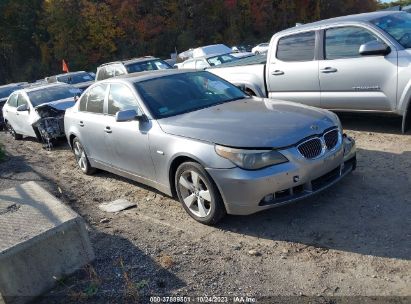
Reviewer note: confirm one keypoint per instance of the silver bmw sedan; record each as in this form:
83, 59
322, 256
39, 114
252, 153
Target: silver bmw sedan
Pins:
196, 136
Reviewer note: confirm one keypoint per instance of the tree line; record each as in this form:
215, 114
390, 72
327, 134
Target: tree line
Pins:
35, 35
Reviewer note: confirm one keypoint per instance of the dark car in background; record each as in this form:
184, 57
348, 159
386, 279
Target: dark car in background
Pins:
5, 92
80, 79
117, 68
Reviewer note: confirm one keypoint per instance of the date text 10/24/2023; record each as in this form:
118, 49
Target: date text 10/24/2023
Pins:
202, 299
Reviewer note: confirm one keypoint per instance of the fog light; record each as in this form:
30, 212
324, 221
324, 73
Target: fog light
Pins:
268, 198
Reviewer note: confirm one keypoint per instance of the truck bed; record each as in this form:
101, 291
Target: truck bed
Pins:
257, 59
249, 72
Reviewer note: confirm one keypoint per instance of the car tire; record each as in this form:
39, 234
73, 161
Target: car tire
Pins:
198, 193
81, 157
406, 121
13, 133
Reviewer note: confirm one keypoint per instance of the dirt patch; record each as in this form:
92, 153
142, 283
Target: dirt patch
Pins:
351, 240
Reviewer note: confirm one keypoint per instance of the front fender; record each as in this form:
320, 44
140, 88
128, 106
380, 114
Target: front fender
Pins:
404, 100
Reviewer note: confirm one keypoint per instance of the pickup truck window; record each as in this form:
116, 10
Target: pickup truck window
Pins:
149, 65
345, 42
299, 47
398, 26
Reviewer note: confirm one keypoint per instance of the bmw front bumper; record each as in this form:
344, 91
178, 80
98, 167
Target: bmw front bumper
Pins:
246, 192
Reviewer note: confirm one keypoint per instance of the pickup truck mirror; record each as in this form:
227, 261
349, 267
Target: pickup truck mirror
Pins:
77, 96
22, 108
241, 87
374, 48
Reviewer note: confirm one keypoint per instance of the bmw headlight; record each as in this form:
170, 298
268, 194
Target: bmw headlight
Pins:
251, 159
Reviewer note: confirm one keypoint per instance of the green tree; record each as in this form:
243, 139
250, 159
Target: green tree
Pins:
18, 51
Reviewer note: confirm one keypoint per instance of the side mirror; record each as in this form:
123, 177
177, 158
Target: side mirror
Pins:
374, 48
22, 108
129, 115
241, 87
77, 97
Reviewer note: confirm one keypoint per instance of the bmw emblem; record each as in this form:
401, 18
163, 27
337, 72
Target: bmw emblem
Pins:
314, 127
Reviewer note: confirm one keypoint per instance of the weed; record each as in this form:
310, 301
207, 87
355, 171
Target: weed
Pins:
166, 261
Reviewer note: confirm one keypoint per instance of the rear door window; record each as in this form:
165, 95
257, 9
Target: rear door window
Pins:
83, 102
298, 47
95, 99
13, 101
121, 98
345, 42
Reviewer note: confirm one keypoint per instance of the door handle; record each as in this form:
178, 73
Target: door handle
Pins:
277, 72
81, 124
108, 130
329, 70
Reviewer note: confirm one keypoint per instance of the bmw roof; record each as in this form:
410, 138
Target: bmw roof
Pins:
147, 75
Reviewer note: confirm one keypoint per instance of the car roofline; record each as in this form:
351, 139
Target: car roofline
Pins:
147, 75
363, 18
128, 61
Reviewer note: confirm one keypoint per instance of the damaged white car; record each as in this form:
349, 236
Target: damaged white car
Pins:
38, 111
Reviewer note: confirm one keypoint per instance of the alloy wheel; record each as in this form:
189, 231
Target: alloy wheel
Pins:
80, 155
195, 194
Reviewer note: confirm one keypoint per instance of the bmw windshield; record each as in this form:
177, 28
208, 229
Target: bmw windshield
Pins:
398, 26
186, 92
49, 94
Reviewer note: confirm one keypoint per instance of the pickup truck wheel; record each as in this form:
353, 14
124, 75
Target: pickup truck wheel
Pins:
406, 120
250, 92
81, 158
13, 133
198, 193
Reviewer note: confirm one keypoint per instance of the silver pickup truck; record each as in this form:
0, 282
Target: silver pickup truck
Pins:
352, 63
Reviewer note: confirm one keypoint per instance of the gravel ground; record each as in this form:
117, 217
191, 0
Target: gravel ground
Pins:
351, 240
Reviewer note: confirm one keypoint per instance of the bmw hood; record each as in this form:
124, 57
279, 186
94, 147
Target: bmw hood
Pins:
252, 123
